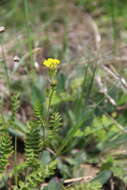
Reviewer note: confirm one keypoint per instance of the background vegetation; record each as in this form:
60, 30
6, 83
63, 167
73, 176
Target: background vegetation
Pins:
89, 37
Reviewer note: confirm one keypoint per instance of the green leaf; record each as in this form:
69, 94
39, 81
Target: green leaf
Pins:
54, 185
115, 142
108, 164
103, 176
45, 157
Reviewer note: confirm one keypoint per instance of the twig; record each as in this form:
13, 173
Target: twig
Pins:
73, 180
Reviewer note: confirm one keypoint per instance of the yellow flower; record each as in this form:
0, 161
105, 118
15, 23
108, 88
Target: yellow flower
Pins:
51, 63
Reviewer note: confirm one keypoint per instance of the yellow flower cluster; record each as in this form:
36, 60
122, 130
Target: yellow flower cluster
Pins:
51, 63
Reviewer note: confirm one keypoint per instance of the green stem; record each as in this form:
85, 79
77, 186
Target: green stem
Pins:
5, 182
5, 68
48, 113
15, 161
28, 27
2, 116
49, 103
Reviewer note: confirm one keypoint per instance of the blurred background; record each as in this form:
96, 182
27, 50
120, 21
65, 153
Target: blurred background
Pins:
90, 39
